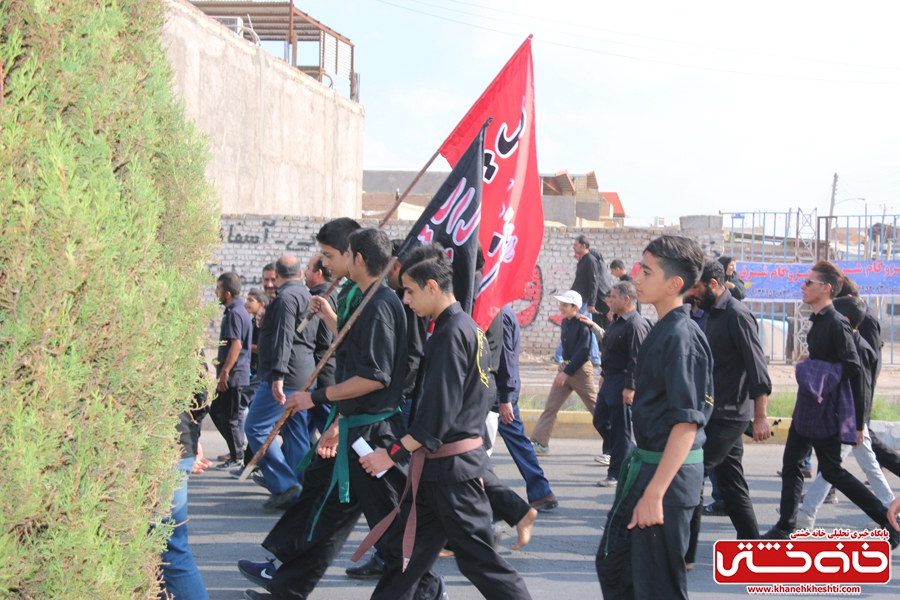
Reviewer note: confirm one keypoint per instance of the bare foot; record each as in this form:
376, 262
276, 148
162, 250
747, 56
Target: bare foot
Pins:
523, 528
688, 566
444, 553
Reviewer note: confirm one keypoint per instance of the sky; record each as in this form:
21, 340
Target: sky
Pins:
681, 107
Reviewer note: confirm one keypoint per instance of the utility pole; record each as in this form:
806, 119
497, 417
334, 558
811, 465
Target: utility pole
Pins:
833, 194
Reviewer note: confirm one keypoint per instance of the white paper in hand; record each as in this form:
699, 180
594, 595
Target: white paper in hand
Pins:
363, 448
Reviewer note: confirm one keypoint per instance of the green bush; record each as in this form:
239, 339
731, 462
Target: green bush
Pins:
106, 221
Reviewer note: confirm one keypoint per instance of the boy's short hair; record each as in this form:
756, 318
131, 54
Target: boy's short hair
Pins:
616, 264
231, 283
258, 295
336, 233
678, 257
852, 307
849, 288
429, 262
374, 246
830, 273
712, 269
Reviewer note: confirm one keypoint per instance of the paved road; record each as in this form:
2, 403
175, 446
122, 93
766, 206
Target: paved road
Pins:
227, 523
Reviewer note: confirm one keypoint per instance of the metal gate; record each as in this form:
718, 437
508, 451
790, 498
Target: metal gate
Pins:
798, 237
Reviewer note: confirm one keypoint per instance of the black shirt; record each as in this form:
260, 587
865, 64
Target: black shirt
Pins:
740, 372
375, 349
284, 353
864, 383
416, 332
830, 339
674, 377
870, 330
455, 397
621, 343
235, 326
575, 337
254, 340
587, 274
324, 337
507, 375
738, 291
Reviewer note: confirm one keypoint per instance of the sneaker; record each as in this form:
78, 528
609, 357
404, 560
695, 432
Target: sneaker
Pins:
259, 480
231, 464
609, 482
373, 569
540, 449
236, 472
259, 573
831, 498
714, 510
776, 533
443, 593
602, 460
284, 499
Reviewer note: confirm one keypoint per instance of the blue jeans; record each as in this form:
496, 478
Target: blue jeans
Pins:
595, 350
522, 453
180, 575
279, 465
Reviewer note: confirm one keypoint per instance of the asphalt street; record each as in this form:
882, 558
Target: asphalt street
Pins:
227, 523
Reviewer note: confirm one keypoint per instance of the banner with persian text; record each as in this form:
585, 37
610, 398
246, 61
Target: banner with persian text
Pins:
772, 281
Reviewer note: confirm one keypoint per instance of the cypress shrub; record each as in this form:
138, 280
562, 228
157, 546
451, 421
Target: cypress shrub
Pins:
107, 221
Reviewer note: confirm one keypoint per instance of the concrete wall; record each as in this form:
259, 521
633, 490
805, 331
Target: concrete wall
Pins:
249, 242
281, 142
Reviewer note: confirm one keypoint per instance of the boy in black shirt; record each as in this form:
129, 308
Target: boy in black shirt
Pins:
449, 503
641, 554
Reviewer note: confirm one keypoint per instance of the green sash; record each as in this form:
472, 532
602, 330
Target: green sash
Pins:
341, 473
631, 468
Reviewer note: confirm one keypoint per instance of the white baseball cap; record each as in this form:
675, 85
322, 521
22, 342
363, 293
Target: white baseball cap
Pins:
570, 297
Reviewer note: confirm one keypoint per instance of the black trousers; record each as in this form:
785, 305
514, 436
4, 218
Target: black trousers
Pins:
886, 456
644, 563
612, 420
828, 453
225, 412
458, 513
723, 453
505, 503
305, 560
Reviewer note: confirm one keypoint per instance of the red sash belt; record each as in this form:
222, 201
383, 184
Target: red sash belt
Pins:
416, 463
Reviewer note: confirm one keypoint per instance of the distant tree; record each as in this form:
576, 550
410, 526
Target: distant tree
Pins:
106, 221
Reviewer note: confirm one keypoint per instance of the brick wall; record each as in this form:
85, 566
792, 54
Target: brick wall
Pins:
251, 241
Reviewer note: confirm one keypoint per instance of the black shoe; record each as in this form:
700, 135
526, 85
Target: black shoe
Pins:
254, 595
373, 569
893, 537
777, 533
714, 509
284, 499
546, 503
807, 473
831, 498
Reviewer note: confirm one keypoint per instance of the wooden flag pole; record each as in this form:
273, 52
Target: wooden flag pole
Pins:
386, 218
343, 333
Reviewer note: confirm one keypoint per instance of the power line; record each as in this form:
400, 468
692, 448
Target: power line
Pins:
647, 37
644, 47
648, 60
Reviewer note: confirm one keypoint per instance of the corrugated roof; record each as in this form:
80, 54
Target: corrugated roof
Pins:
613, 199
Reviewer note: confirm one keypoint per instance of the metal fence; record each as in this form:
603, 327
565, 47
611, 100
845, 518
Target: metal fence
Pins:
798, 237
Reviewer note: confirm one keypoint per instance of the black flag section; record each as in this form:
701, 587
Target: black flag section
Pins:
451, 219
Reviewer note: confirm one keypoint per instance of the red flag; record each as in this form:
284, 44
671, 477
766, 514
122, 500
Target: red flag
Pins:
512, 213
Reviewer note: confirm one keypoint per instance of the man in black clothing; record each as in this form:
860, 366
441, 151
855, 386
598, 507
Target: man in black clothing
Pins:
450, 502
318, 280
285, 363
621, 343
641, 554
739, 375
870, 328
370, 368
232, 368
830, 341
